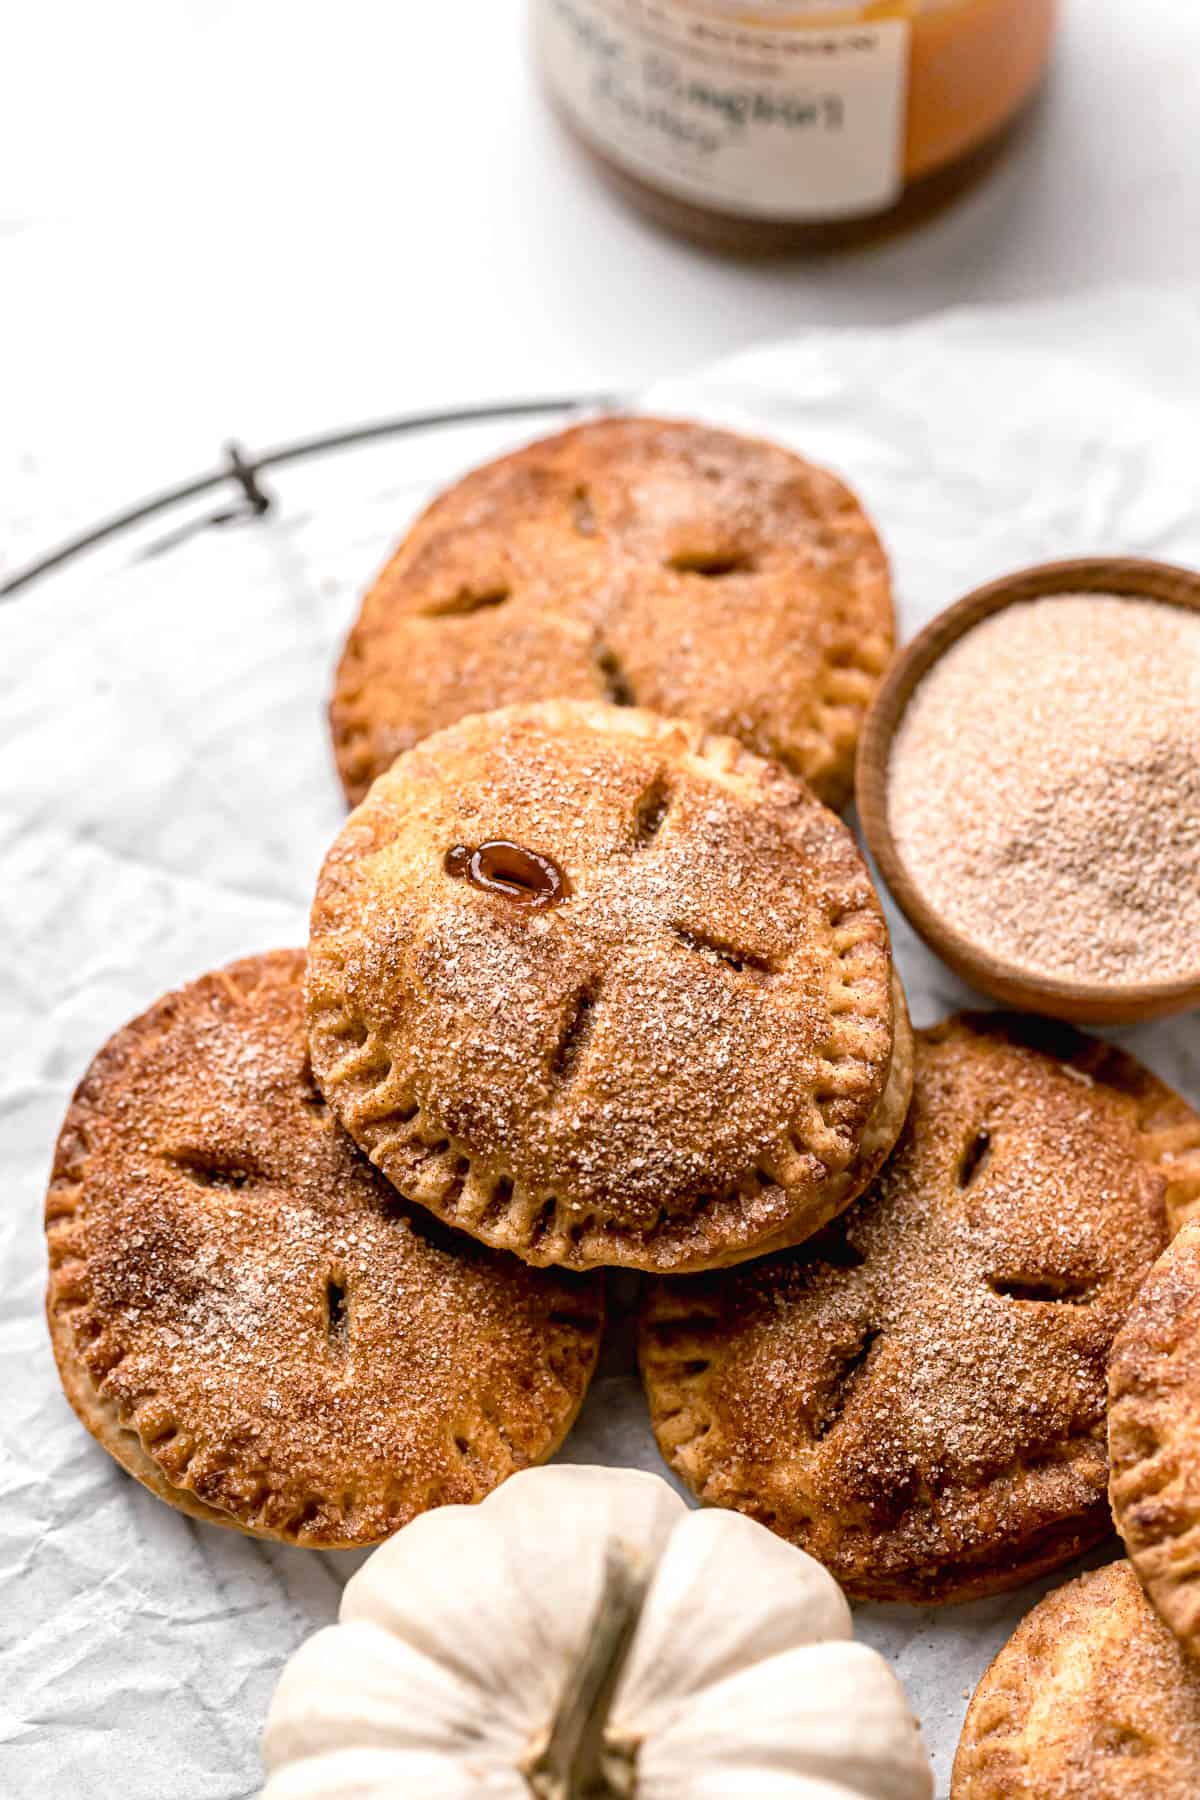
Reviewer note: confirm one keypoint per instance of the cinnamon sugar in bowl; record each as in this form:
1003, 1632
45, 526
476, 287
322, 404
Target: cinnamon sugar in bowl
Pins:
1029, 783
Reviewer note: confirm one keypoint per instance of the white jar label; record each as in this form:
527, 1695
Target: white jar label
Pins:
795, 122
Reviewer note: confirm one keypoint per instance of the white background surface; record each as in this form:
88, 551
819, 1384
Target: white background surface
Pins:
258, 218
167, 797
266, 219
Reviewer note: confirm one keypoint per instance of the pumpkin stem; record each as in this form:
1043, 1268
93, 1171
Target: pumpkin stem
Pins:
576, 1763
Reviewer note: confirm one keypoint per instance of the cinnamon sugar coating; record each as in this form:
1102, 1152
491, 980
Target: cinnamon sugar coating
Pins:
1090, 1699
1044, 788
255, 1324
917, 1398
695, 572
686, 1061
1154, 1434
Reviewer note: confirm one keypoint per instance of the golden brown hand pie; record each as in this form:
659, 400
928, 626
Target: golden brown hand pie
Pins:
694, 572
681, 1057
1090, 1699
918, 1397
1154, 1434
252, 1322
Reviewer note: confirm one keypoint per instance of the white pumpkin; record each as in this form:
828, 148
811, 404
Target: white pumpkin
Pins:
581, 1633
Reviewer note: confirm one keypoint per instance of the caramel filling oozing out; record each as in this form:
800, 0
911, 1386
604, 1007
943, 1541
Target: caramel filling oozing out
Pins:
525, 877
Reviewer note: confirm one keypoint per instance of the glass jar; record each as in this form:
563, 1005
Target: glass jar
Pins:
760, 124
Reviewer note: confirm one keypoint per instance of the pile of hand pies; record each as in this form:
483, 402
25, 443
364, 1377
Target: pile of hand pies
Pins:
598, 979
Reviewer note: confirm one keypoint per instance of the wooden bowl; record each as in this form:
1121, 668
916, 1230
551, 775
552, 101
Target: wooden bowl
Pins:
1091, 1003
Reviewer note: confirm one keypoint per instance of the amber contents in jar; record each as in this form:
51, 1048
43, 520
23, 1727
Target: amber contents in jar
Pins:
973, 65
758, 125
525, 877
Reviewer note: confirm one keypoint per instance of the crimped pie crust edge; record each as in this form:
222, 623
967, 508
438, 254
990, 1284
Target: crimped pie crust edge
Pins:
844, 679
1154, 1436
353, 1065
1034, 1728
677, 1373
140, 1434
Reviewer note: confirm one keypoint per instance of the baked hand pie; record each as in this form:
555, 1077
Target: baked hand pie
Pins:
252, 1322
1090, 1699
694, 572
917, 1397
599, 989
1154, 1436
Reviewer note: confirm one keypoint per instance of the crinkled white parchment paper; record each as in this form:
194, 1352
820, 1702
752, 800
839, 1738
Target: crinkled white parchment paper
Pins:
165, 798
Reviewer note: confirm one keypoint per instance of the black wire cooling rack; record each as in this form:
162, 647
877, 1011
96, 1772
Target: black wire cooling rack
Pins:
239, 477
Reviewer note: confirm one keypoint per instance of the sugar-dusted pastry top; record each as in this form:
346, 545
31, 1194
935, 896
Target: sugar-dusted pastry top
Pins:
918, 1397
252, 1321
1090, 1699
1154, 1432
684, 1056
695, 572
